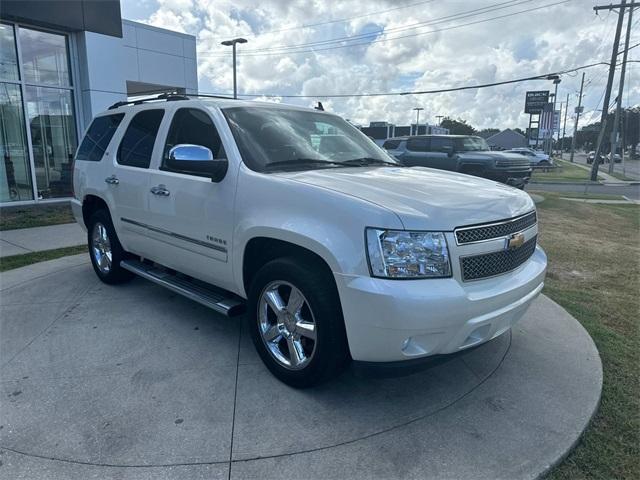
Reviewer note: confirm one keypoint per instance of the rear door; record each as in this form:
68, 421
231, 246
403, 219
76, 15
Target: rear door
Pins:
416, 153
128, 178
193, 216
439, 156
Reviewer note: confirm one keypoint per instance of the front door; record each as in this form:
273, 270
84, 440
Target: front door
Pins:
191, 216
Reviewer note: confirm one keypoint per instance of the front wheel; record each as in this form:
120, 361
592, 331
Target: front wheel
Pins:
105, 249
295, 322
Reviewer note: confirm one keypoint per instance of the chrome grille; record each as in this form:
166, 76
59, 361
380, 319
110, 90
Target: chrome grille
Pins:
495, 263
495, 230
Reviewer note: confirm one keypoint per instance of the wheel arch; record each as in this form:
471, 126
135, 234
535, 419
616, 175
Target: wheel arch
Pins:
260, 249
91, 204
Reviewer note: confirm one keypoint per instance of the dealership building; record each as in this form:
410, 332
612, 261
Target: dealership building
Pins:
61, 63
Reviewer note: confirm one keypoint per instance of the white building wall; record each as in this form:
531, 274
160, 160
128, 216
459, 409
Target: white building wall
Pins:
153, 58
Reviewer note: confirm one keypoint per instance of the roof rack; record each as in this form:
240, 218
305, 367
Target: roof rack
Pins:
168, 96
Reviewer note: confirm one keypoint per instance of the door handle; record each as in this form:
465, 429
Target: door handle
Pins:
112, 180
160, 190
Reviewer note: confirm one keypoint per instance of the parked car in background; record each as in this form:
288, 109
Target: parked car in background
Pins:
591, 157
332, 250
461, 153
536, 157
617, 158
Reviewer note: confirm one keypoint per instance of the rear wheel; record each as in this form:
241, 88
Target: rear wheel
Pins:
296, 323
105, 249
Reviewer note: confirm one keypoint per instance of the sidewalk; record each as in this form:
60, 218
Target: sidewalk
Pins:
37, 239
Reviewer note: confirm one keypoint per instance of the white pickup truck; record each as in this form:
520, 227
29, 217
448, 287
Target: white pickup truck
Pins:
332, 250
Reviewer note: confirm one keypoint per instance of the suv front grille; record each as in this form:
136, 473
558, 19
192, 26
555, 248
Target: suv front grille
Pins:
495, 263
495, 230
512, 163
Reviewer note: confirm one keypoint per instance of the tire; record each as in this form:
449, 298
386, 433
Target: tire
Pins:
316, 360
105, 250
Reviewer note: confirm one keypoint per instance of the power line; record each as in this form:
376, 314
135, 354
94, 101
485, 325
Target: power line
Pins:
412, 26
339, 20
542, 76
383, 40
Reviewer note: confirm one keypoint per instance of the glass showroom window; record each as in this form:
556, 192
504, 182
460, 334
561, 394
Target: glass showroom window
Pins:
15, 171
44, 60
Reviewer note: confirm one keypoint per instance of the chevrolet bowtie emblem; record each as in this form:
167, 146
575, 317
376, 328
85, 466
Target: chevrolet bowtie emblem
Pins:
515, 241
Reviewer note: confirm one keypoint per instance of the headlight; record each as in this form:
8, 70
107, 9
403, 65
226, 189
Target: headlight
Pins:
403, 254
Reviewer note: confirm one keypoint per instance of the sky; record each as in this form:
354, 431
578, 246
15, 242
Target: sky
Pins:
324, 47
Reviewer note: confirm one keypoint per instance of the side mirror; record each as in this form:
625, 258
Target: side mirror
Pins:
448, 149
196, 160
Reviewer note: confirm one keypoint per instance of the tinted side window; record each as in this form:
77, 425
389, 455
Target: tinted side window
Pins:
137, 143
418, 144
193, 126
391, 144
98, 136
438, 142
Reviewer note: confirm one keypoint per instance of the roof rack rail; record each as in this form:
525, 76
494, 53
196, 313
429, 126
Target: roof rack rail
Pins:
169, 97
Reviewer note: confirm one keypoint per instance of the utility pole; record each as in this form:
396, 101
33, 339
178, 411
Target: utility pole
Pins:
578, 112
616, 121
564, 126
418, 109
607, 94
439, 117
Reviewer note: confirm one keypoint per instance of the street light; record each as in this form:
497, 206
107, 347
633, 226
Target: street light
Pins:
417, 110
232, 43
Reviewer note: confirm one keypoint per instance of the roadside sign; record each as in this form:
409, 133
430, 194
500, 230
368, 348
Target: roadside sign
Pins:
578, 109
556, 121
535, 101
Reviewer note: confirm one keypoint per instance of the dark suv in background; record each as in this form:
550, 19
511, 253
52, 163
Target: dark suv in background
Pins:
460, 153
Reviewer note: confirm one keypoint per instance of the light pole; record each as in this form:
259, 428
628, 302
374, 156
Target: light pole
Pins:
417, 110
232, 43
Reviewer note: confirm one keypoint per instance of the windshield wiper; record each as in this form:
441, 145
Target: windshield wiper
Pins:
364, 161
301, 162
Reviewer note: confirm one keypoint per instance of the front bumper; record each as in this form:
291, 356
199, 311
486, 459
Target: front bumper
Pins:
397, 320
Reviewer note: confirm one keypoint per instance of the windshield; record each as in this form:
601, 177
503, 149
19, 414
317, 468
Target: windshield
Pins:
279, 138
471, 144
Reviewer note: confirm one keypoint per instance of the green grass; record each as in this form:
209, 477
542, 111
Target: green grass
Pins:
17, 261
12, 218
566, 172
594, 273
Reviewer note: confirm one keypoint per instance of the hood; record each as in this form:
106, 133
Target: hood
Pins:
423, 198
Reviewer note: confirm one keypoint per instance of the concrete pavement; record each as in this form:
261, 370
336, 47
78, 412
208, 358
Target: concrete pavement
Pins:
134, 382
37, 239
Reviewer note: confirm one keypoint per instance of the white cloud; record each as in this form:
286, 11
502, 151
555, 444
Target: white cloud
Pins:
533, 43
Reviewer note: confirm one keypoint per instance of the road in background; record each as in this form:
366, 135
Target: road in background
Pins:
631, 167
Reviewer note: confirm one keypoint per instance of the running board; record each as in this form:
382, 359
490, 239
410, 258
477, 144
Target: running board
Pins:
216, 299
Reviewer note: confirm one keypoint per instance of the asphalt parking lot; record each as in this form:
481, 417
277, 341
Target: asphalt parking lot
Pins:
133, 382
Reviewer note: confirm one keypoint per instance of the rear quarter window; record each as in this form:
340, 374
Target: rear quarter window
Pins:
418, 144
97, 138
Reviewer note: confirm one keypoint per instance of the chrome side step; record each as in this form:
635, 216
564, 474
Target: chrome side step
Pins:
216, 299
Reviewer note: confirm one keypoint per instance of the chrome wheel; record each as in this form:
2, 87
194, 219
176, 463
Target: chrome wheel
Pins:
101, 248
286, 325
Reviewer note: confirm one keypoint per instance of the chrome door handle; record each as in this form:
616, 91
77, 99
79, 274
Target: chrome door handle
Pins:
112, 180
160, 190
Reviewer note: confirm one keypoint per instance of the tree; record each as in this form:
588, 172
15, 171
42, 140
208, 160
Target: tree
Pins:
520, 131
457, 127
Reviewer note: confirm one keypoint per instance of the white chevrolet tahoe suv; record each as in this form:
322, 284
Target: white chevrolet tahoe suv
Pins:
335, 251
